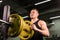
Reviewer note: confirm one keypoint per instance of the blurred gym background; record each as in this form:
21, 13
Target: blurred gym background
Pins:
49, 11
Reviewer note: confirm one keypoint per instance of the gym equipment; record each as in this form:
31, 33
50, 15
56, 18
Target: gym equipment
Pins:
6, 14
26, 32
19, 27
14, 25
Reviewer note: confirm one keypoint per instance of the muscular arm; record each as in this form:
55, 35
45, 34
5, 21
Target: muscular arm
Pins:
44, 28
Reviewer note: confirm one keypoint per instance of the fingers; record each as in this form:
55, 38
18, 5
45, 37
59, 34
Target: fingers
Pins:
32, 26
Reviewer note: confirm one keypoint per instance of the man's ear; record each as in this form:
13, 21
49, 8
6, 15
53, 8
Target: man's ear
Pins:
38, 14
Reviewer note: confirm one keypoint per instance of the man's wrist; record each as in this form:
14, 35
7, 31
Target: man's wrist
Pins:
37, 29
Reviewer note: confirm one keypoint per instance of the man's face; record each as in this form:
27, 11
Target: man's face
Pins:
34, 14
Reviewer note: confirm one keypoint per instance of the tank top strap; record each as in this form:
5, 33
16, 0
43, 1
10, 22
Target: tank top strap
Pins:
36, 23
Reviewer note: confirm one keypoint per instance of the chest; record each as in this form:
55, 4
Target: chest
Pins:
37, 23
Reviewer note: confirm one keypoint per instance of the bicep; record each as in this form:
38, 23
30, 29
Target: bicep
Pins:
44, 28
44, 25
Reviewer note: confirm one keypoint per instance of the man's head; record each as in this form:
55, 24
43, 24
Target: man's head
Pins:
34, 13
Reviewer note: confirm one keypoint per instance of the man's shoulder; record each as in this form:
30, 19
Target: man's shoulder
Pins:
41, 21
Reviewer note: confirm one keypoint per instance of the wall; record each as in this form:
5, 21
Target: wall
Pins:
55, 29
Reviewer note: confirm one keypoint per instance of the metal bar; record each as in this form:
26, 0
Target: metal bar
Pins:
6, 14
3, 21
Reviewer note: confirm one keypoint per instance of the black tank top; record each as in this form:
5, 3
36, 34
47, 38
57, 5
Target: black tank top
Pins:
37, 35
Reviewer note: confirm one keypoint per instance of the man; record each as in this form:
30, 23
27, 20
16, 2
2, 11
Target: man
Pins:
39, 26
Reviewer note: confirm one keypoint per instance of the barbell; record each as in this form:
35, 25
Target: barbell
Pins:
19, 27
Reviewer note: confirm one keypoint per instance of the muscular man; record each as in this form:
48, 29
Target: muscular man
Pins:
39, 26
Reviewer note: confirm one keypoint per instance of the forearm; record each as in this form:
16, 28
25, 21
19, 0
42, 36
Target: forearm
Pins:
44, 32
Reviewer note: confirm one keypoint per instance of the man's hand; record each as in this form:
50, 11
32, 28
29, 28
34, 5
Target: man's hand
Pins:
33, 26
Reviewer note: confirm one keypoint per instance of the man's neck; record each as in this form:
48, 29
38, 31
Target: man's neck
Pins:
34, 20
